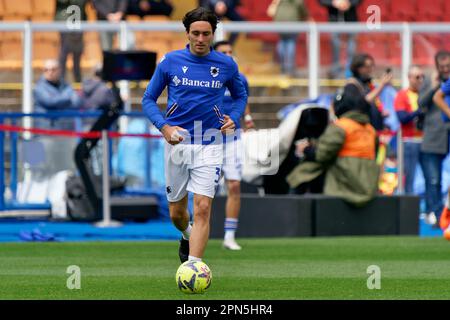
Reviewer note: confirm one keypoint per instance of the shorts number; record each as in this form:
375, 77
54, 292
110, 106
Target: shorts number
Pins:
218, 175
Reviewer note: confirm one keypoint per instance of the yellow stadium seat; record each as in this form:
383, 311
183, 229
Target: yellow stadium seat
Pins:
42, 17
133, 18
43, 50
156, 18
2, 9
18, 8
11, 52
43, 8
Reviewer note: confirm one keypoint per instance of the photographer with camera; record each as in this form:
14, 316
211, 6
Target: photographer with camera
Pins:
345, 153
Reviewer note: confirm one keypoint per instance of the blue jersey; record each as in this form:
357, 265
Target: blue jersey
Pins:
228, 100
196, 87
445, 87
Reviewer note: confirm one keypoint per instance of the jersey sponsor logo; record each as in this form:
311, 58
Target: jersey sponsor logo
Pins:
184, 68
216, 84
176, 81
214, 71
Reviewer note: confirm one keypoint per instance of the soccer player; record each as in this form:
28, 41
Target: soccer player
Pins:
233, 160
194, 125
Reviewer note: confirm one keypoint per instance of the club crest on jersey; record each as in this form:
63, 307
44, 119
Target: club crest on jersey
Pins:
176, 81
184, 68
214, 71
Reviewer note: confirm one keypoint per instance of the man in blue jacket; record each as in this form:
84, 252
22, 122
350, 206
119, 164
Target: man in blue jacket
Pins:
52, 93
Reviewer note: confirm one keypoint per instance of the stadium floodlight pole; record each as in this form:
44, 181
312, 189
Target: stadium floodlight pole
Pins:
107, 221
27, 73
124, 85
314, 53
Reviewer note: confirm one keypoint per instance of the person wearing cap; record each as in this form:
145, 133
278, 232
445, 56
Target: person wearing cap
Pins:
345, 151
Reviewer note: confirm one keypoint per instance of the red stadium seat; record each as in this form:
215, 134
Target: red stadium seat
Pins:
318, 12
403, 10
424, 48
376, 46
302, 53
326, 54
394, 48
430, 11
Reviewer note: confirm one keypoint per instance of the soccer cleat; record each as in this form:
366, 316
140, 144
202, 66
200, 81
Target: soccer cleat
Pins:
231, 245
444, 220
183, 250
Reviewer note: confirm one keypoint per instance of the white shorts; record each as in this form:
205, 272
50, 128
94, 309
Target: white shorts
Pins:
192, 167
232, 162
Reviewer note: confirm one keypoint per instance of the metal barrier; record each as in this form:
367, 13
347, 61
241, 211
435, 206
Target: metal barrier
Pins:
10, 129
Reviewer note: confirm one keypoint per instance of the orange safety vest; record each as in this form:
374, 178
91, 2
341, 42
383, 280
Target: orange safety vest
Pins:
359, 139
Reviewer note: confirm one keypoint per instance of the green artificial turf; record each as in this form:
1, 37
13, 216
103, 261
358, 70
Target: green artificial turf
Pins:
291, 268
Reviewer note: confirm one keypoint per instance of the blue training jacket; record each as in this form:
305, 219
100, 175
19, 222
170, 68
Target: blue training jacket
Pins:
196, 88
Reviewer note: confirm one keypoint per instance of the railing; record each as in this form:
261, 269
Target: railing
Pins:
311, 29
12, 129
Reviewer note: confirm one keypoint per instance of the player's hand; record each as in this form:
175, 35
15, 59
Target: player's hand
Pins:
172, 134
228, 126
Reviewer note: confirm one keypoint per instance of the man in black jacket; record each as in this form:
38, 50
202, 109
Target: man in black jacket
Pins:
224, 8
112, 11
341, 11
434, 147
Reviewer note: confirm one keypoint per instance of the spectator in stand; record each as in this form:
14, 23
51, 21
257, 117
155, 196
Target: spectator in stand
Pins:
150, 7
96, 94
360, 84
51, 95
71, 42
341, 11
409, 113
434, 147
224, 8
112, 11
287, 10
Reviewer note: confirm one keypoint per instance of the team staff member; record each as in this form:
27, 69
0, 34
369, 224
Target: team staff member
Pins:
232, 165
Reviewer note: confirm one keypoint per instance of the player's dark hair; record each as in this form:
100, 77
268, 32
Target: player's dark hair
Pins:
221, 43
441, 55
358, 61
200, 14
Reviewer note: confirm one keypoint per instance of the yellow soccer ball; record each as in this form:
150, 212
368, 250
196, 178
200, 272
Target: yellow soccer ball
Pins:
193, 277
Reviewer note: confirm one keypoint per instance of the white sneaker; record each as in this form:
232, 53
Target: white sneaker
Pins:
431, 218
231, 245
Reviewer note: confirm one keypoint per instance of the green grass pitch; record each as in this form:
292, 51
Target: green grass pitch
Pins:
288, 268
